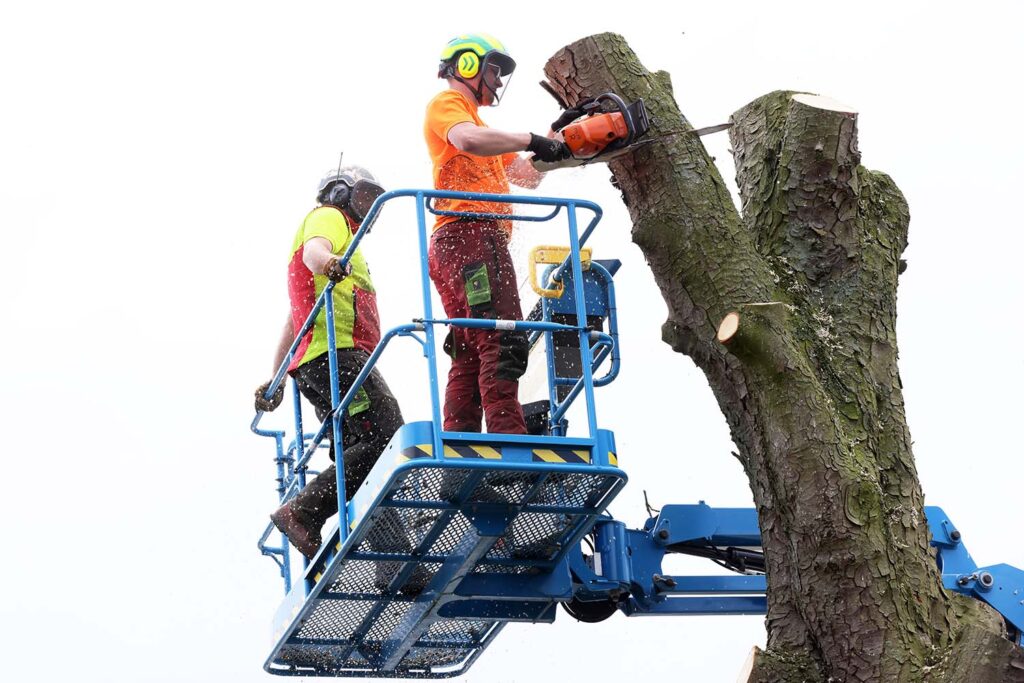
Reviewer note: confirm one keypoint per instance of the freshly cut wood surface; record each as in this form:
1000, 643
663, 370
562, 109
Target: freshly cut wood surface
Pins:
727, 328
822, 102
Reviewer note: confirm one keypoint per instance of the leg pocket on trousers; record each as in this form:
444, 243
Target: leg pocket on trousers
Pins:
449, 344
477, 284
513, 353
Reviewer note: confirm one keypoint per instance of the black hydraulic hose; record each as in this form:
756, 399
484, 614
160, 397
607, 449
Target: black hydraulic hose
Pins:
737, 559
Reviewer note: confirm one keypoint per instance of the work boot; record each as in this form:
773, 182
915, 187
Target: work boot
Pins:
288, 523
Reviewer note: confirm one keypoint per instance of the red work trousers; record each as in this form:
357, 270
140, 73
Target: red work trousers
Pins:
486, 364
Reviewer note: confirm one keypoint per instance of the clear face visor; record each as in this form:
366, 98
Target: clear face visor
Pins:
363, 194
493, 81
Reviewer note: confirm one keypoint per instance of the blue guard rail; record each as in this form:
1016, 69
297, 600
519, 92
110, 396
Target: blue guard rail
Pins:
451, 535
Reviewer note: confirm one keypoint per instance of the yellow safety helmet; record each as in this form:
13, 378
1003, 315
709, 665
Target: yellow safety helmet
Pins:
467, 54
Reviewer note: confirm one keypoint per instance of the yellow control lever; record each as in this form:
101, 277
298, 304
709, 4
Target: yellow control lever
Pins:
553, 255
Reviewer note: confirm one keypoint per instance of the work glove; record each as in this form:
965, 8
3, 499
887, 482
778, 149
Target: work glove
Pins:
567, 117
334, 270
547, 149
268, 404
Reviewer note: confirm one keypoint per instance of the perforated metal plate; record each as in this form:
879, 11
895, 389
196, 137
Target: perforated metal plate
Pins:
383, 606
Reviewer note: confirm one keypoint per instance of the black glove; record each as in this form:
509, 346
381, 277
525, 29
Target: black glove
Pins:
334, 271
567, 117
547, 149
268, 404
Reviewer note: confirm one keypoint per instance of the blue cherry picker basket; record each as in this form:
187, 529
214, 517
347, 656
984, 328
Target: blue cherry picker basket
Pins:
452, 535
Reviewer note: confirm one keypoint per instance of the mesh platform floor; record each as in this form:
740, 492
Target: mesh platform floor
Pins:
375, 611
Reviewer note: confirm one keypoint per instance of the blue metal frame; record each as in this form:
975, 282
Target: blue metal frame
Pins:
518, 454
292, 471
608, 344
628, 562
1000, 585
473, 528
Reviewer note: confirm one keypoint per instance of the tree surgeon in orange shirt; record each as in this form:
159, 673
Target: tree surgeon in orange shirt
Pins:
469, 259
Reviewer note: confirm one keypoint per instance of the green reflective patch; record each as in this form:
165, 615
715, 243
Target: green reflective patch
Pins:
360, 403
478, 286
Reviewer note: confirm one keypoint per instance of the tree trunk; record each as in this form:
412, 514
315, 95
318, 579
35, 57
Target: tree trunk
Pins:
804, 371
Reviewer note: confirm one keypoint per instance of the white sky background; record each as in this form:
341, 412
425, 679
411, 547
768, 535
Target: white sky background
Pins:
155, 161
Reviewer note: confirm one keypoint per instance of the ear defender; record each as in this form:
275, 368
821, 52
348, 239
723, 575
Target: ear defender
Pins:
469, 64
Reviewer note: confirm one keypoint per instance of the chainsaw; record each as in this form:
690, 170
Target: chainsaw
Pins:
607, 128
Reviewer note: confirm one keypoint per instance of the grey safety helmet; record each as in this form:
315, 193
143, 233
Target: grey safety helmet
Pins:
351, 189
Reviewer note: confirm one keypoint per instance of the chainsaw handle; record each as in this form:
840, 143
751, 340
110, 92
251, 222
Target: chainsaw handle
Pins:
567, 117
586, 107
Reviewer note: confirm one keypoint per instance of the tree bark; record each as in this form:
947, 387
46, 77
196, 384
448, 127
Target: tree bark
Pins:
806, 373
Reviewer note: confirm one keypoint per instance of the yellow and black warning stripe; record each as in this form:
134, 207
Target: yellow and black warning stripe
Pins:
574, 456
423, 450
473, 451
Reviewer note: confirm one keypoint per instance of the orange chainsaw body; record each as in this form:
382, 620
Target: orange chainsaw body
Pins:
587, 137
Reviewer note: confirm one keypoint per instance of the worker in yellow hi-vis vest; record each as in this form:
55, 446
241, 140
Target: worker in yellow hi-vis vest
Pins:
344, 196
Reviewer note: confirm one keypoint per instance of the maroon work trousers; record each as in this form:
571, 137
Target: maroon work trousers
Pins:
486, 364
